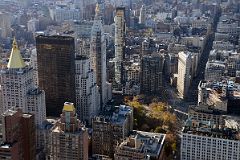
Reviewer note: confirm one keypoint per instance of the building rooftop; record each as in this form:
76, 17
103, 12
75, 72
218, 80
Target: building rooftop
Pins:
224, 88
27, 115
207, 128
115, 114
6, 145
203, 108
148, 143
9, 112
232, 122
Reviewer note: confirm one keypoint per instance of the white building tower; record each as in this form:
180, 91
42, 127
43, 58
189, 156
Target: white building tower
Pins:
119, 42
142, 16
184, 73
98, 57
33, 64
19, 91
87, 95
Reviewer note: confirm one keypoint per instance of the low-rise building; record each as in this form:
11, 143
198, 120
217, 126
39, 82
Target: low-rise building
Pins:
223, 95
141, 146
204, 112
214, 70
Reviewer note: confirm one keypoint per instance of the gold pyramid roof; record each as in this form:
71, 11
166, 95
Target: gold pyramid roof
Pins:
15, 60
69, 107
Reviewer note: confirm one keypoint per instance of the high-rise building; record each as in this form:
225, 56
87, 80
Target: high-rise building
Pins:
120, 27
18, 136
184, 73
68, 138
33, 64
110, 129
18, 89
98, 57
87, 94
56, 67
142, 16
5, 25
152, 73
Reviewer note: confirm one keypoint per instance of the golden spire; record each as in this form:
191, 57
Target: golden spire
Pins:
14, 44
15, 60
97, 9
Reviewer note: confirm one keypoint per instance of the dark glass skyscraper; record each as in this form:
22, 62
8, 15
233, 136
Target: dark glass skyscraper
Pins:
151, 73
56, 73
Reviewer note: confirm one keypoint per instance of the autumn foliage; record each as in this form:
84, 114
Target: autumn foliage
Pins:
155, 117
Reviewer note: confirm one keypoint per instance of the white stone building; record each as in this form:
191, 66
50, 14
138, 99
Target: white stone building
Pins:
201, 140
87, 95
18, 89
98, 58
142, 16
33, 63
60, 14
184, 73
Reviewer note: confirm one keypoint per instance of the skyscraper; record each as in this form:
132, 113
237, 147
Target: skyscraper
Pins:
152, 73
68, 139
87, 95
119, 42
5, 24
18, 133
184, 73
142, 16
18, 89
98, 56
56, 56
33, 63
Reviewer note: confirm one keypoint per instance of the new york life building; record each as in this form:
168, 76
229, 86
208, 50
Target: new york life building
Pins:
18, 91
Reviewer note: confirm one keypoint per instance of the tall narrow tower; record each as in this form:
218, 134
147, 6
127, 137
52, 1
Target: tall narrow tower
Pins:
142, 16
98, 56
88, 98
119, 42
184, 73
